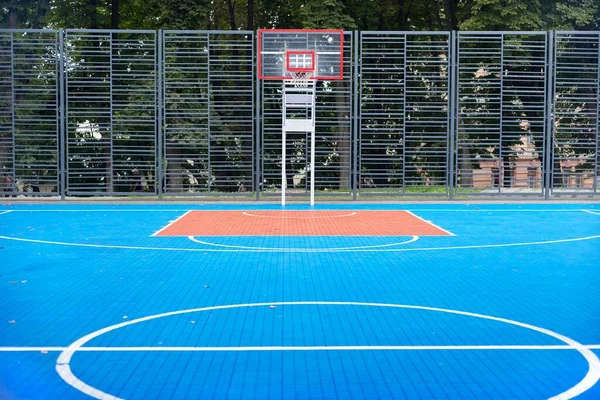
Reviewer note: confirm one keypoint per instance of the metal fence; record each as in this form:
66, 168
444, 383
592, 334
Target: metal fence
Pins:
29, 112
501, 112
404, 113
182, 113
110, 87
208, 112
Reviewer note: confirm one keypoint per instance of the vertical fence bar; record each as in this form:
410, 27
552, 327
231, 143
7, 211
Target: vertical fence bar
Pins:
65, 50
597, 156
12, 104
355, 127
552, 131
159, 115
501, 166
257, 120
208, 111
452, 77
112, 157
62, 137
405, 86
549, 98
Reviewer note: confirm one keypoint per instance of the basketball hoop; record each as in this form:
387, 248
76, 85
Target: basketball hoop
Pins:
300, 78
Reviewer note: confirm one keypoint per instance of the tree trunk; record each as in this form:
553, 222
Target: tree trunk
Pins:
12, 17
344, 143
233, 25
250, 15
94, 16
114, 15
40, 14
450, 11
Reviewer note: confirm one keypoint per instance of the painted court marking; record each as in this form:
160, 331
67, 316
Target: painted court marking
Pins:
277, 217
273, 223
526, 347
171, 223
5, 212
449, 210
193, 239
482, 246
431, 223
64, 369
591, 212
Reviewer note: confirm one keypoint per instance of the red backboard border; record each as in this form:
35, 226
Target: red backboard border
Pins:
281, 78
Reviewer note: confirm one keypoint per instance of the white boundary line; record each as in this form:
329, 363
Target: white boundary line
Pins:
5, 212
319, 217
482, 246
16, 349
307, 250
430, 223
483, 210
106, 210
171, 223
591, 212
64, 369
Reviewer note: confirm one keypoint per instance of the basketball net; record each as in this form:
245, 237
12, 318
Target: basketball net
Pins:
300, 78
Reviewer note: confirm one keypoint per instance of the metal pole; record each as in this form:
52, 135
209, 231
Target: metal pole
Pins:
501, 119
159, 116
256, 130
357, 99
111, 161
208, 102
405, 86
283, 156
596, 162
452, 75
62, 138
12, 103
66, 108
313, 144
549, 97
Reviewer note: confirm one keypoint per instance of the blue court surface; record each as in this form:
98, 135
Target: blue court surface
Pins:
94, 304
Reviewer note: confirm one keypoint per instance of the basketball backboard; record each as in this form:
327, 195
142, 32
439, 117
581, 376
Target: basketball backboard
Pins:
283, 52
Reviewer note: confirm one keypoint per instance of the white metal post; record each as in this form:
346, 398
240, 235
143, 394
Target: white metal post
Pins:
299, 98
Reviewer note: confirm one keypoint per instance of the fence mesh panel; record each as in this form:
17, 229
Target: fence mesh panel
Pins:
29, 113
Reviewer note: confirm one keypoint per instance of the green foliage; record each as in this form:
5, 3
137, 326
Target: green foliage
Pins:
326, 14
504, 15
576, 14
182, 14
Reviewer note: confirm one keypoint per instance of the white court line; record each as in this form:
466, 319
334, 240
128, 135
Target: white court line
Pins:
431, 223
63, 367
5, 212
171, 223
325, 216
16, 349
307, 250
103, 210
376, 209
591, 212
482, 246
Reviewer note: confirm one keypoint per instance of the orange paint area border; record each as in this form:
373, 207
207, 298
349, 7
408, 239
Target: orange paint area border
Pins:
301, 223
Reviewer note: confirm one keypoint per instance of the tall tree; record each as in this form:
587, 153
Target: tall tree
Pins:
325, 14
114, 14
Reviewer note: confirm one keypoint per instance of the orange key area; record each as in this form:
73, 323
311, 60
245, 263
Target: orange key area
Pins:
301, 223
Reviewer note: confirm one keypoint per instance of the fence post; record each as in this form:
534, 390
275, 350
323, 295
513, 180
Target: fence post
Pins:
549, 151
159, 116
452, 97
257, 122
61, 104
355, 119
